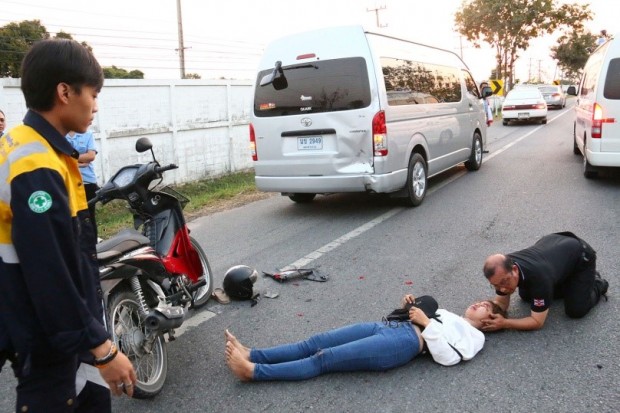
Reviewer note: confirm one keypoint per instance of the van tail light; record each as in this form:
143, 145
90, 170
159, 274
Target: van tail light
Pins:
253, 143
597, 124
598, 120
379, 134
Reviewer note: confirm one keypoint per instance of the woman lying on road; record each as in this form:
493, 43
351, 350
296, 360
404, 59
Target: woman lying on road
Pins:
375, 346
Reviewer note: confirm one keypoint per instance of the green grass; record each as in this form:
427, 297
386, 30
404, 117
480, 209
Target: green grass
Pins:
115, 215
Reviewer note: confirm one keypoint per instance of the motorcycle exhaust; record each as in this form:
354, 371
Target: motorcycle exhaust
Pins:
165, 318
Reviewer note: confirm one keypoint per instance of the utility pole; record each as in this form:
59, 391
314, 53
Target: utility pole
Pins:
181, 48
376, 10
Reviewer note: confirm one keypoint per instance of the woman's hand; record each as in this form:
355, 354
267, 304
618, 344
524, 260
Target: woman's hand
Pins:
418, 317
407, 299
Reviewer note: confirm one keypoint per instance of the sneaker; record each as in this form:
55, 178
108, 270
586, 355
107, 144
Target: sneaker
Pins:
601, 284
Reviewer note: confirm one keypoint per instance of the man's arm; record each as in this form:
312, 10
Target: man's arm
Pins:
39, 232
87, 157
534, 322
503, 301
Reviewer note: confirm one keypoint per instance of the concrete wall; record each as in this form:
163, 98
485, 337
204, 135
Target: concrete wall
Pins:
201, 125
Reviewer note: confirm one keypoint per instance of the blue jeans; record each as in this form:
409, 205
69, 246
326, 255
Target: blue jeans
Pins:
365, 346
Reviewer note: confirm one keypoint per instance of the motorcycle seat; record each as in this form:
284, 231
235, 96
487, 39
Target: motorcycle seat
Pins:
120, 243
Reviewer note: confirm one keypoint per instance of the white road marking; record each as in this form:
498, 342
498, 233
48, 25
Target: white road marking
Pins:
195, 318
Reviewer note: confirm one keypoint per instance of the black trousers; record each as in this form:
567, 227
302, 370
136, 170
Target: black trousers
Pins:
50, 388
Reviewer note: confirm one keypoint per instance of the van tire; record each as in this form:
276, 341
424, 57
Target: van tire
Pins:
505, 122
416, 180
475, 159
301, 198
576, 150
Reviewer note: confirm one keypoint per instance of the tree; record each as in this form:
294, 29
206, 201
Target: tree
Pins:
192, 76
119, 73
510, 25
64, 35
572, 51
15, 40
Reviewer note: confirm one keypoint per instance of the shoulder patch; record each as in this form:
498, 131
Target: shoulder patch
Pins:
40, 201
539, 302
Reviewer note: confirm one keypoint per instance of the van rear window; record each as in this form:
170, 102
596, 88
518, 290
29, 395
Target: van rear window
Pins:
314, 87
612, 82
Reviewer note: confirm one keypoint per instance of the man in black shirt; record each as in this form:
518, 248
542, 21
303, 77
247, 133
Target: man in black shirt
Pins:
559, 265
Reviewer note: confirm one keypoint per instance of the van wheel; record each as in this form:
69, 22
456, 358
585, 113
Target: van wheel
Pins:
475, 159
544, 121
301, 198
416, 180
505, 122
576, 150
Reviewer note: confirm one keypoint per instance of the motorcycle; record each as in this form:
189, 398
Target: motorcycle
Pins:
152, 277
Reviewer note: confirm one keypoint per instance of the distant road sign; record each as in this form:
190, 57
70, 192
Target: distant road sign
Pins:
497, 86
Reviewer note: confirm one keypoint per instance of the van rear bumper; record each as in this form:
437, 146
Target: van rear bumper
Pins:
603, 158
383, 183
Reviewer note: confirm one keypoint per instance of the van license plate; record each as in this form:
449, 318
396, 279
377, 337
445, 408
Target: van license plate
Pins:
312, 143
524, 115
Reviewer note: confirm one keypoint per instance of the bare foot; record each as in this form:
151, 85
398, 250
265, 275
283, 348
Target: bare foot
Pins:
230, 338
240, 367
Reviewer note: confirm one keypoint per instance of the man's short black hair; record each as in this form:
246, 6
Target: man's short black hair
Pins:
489, 270
53, 61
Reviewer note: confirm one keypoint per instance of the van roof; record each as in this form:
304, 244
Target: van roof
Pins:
324, 42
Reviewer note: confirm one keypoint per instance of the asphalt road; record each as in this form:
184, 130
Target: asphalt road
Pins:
375, 251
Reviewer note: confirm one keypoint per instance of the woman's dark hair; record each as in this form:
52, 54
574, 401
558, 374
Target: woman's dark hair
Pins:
53, 61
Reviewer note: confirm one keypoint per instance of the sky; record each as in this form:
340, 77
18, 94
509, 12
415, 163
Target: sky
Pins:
226, 38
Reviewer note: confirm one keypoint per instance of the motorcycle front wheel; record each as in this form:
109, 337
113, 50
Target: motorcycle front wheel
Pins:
149, 357
202, 295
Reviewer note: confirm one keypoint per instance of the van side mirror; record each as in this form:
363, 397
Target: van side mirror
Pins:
486, 91
276, 77
572, 90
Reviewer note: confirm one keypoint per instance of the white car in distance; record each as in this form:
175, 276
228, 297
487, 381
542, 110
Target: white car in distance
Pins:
524, 104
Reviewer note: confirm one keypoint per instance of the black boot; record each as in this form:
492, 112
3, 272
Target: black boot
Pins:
601, 285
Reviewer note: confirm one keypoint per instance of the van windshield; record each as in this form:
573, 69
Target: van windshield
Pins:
322, 86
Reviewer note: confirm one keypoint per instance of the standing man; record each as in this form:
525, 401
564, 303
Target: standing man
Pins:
51, 314
485, 102
84, 144
558, 265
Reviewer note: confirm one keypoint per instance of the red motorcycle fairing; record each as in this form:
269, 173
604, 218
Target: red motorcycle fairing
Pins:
182, 258
144, 258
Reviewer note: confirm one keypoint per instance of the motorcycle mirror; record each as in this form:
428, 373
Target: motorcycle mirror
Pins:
143, 144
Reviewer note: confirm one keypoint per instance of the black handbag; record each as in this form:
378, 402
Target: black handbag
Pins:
426, 303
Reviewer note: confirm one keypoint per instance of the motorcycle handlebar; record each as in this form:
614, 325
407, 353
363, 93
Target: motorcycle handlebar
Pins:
160, 169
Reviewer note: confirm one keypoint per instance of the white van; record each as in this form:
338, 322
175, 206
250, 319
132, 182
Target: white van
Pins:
344, 110
597, 112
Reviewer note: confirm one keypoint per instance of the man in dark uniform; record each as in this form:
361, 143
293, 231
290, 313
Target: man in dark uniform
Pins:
51, 315
559, 265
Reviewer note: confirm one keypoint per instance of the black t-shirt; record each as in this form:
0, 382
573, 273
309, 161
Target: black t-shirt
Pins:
544, 266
